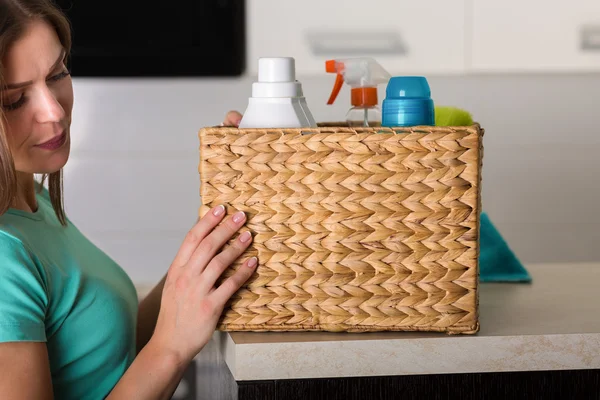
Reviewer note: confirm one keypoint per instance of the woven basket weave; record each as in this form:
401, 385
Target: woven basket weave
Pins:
355, 229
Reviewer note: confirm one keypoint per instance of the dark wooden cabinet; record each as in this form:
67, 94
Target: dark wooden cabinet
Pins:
559, 385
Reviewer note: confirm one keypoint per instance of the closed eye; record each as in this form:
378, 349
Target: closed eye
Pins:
59, 76
13, 106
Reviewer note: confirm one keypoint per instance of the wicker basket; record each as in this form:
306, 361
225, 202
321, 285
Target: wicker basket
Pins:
355, 229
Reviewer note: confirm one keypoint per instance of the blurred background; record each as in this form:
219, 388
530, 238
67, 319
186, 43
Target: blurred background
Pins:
146, 80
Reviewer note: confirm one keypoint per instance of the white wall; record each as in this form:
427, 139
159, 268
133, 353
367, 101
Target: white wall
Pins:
132, 183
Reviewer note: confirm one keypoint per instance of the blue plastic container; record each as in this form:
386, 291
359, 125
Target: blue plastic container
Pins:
407, 102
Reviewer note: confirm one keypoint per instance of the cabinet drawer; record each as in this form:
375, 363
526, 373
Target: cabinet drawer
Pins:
536, 35
406, 37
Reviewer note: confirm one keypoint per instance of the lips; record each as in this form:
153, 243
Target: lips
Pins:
54, 143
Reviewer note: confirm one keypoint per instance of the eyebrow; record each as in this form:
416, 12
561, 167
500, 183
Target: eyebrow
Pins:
20, 85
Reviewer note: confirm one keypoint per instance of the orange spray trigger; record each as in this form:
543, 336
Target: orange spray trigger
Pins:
332, 68
339, 81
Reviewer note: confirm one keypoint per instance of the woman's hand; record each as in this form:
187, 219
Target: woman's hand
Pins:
191, 304
233, 118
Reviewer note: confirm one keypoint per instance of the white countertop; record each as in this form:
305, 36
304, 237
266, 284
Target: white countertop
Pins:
551, 324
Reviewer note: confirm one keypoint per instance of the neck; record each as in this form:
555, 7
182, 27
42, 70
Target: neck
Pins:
25, 199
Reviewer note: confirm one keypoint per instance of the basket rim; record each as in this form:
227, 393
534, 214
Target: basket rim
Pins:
474, 128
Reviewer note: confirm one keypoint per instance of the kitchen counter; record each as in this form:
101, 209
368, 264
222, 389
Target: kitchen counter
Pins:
550, 325
553, 323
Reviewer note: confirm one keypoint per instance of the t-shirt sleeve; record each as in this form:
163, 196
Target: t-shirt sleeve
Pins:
23, 297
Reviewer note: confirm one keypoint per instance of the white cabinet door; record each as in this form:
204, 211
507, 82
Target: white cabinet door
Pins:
405, 36
535, 35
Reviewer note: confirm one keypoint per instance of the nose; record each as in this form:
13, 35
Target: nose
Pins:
49, 108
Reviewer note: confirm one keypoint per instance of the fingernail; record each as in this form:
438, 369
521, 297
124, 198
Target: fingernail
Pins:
244, 237
252, 262
219, 210
239, 217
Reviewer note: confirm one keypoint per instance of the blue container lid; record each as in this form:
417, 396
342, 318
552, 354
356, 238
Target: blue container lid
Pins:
407, 87
408, 102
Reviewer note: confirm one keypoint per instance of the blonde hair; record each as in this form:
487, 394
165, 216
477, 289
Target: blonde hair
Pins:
14, 17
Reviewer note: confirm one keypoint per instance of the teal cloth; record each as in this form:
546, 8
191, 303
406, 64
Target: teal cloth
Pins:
497, 262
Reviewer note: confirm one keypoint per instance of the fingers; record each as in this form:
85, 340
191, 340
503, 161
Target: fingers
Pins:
233, 118
234, 282
224, 259
213, 242
198, 232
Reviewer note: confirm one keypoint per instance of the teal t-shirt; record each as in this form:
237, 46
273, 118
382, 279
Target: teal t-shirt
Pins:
57, 287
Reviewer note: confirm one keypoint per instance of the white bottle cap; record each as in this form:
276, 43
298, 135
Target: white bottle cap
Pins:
276, 69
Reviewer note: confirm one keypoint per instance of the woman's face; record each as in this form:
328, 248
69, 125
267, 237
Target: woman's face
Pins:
37, 100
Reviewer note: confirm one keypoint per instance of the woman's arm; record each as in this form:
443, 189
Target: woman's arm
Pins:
190, 306
25, 371
150, 305
25, 374
153, 375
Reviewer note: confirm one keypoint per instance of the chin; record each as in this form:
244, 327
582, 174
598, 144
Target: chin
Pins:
56, 161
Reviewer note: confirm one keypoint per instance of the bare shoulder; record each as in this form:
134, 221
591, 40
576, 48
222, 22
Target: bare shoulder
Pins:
25, 371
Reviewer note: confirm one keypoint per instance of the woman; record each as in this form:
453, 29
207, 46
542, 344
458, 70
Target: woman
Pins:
70, 325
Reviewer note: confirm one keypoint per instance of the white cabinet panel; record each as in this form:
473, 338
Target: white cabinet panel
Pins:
535, 35
406, 37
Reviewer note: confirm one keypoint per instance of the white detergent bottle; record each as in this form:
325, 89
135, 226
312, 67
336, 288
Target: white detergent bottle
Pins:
277, 100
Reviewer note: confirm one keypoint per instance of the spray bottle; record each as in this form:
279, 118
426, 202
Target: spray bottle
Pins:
363, 74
